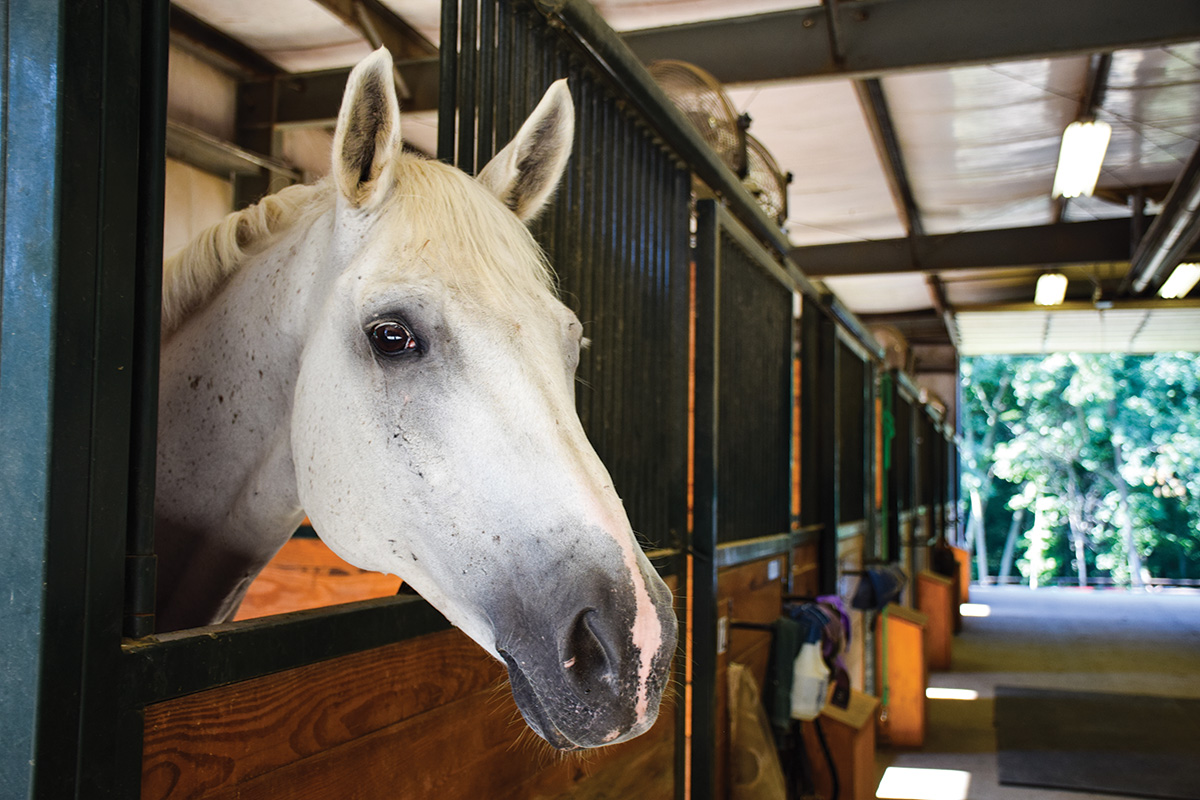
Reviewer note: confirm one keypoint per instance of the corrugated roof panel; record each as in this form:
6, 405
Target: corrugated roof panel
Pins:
981, 143
627, 15
985, 333
1170, 330
297, 35
1162, 328
816, 130
1153, 104
874, 294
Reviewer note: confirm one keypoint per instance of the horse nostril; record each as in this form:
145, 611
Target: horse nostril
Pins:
586, 660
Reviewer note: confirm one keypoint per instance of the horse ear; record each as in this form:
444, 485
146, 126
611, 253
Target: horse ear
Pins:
367, 138
525, 173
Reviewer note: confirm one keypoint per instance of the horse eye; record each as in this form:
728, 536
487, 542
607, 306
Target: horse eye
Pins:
392, 338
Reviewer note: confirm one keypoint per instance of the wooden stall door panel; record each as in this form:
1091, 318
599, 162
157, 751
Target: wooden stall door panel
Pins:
745, 593
474, 747
805, 581
203, 743
937, 598
754, 596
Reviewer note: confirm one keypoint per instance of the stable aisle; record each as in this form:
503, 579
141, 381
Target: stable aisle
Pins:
1110, 641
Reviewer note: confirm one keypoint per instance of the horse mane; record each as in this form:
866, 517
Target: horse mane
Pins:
196, 272
439, 200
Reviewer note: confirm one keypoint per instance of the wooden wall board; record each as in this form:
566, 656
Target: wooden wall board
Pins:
753, 596
963, 559
477, 746
805, 575
201, 743
850, 733
937, 599
902, 675
750, 592
307, 574
428, 717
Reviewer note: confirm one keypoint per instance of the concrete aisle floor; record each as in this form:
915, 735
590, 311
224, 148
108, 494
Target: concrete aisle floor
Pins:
1102, 641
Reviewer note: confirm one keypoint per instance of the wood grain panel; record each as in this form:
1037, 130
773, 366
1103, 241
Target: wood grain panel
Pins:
477, 746
426, 718
903, 674
748, 595
805, 574
200, 743
307, 574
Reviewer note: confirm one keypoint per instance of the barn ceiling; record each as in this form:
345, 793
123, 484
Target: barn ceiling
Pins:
922, 135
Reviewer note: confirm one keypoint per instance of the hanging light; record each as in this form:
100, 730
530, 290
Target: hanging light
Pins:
1051, 289
1079, 158
1181, 281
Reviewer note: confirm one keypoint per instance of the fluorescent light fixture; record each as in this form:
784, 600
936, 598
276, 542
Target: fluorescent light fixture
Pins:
943, 693
1181, 281
914, 783
975, 609
1080, 157
1051, 289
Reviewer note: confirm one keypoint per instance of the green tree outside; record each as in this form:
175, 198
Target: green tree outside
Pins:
1082, 467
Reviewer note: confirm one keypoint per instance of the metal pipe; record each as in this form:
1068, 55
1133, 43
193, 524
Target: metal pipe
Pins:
1171, 235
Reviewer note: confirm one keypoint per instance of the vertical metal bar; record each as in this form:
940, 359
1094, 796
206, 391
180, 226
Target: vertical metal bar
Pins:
677, 289
707, 513
468, 79
140, 563
486, 132
448, 83
503, 76
828, 449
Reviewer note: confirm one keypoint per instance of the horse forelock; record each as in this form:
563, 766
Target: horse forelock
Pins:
494, 257
489, 254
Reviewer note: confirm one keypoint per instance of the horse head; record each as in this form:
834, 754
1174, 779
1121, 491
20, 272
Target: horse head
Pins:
434, 432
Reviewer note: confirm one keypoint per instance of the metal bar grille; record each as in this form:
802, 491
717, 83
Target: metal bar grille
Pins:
755, 388
617, 235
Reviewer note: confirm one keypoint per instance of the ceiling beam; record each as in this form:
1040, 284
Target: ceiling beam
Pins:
887, 144
381, 26
313, 98
877, 37
1041, 246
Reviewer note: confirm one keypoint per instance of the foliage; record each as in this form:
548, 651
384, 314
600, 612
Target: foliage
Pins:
1101, 451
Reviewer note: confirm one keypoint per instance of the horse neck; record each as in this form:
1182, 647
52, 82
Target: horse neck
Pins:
226, 491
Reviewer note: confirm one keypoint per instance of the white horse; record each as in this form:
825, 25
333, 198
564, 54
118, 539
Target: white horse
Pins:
384, 352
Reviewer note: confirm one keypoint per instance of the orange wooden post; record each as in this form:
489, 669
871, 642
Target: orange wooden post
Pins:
903, 673
937, 599
963, 560
850, 733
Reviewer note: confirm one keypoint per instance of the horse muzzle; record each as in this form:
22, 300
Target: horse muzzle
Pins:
590, 684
